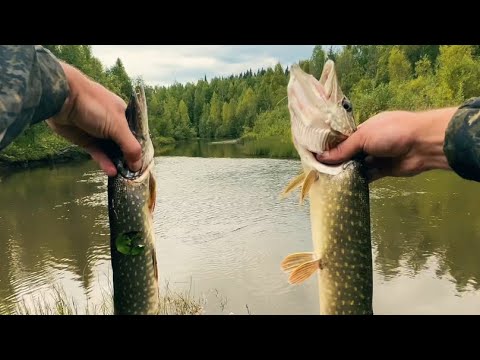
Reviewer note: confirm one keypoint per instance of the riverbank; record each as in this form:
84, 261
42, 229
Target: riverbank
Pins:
21, 154
275, 147
59, 303
68, 154
272, 147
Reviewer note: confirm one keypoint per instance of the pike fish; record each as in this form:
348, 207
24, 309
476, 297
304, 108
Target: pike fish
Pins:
321, 117
131, 202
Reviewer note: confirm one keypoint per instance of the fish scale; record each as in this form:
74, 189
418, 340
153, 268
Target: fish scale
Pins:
342, 236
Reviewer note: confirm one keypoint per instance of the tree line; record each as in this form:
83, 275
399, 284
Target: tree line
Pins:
253, 104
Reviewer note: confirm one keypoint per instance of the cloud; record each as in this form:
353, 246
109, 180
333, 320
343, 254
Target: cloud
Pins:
165, 64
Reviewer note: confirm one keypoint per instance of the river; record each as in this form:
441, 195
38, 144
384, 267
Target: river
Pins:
222, 231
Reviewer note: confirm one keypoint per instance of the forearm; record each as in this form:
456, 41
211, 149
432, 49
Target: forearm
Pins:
77, 83
33, 88
449, 139
429, 137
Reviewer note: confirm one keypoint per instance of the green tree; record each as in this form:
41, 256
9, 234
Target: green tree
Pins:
204, 126
246, 111
199, 101
423, 67
182, 124
215, 118
119, 80
458, 71
317, 61
305, 66
167, 120
399, 69
348, 69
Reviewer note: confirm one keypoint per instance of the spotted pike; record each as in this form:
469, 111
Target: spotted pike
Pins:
321, 117
131, 201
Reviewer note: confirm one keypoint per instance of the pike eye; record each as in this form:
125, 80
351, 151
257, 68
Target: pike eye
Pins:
347, 105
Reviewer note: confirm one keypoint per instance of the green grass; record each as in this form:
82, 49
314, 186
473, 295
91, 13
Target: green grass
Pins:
273, 147
45, 146
59, 303
161, 140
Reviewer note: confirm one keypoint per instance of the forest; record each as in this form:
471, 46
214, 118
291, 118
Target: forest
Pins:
252, 105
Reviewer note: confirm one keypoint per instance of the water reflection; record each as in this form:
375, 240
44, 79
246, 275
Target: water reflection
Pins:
47, 230
433, 214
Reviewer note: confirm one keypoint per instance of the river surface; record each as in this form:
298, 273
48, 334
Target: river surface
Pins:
222, 231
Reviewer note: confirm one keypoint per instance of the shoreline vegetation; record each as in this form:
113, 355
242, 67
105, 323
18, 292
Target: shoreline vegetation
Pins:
57, 302
252, 106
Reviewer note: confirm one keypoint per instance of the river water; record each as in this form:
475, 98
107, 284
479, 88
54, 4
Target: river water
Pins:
222, 231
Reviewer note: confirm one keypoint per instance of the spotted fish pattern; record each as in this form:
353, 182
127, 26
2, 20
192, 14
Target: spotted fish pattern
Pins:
340, 218
338, 196
131, 203
135, 273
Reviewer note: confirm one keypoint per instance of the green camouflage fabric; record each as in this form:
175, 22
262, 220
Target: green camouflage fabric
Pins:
462, 140
33, 87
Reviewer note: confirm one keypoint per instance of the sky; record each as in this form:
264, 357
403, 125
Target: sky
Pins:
166, 64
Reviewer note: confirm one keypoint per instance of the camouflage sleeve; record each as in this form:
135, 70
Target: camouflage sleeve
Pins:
462, 140
33, 87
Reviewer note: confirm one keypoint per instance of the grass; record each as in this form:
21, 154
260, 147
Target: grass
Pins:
273, 147
37, 144
58, 303
162, 140
175, 303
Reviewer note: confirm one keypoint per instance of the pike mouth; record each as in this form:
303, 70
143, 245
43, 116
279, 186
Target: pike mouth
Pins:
309, 159
325, 141
137, 120
320, 114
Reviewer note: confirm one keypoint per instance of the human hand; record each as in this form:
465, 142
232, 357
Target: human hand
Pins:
91, 112
397, 143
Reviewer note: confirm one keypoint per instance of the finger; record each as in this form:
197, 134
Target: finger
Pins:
343, 151
369, 160
378, 167
131, 149
81, 138
102, 159
72, 134
374, 174
385, 163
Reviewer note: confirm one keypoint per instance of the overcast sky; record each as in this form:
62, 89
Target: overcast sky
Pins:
165, 64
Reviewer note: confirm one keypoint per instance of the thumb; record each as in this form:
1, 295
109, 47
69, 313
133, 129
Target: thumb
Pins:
343, 151
131, 149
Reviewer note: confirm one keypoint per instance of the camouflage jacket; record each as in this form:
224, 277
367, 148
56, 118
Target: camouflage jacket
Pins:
462, 140
33, 87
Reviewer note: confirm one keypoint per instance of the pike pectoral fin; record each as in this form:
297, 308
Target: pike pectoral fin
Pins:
304, 271
307, 184
292, 185
152, 187
293, 261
